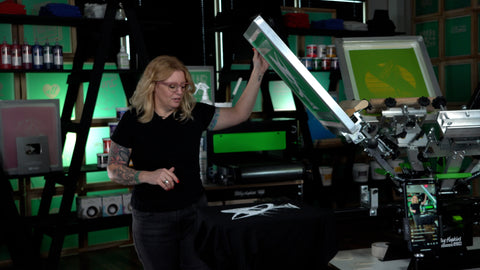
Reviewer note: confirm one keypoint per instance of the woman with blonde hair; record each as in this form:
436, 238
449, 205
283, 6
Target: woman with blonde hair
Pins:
161, 134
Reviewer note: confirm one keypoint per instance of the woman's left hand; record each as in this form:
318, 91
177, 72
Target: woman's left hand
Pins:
259, 62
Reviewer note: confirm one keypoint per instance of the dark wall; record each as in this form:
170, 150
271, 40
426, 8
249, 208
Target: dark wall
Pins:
179, 28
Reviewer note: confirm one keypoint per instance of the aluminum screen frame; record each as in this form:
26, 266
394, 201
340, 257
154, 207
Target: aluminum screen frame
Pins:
287, 65
421, 72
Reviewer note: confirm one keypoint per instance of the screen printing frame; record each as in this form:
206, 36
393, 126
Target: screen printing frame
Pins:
30, 119
287, 65
405, 55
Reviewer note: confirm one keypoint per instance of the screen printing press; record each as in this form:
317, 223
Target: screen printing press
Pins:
394, 109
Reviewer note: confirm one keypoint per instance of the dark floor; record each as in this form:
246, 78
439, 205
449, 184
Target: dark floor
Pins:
121, 258
351, 234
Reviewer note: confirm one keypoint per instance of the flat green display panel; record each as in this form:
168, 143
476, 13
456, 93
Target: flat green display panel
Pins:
456, 4
110, 95
7, 86
282, 97
235, 95
249, 141
48, 85
458, 78
42, 33
426, 7
431, 36
458, 36
287, 65
385, 67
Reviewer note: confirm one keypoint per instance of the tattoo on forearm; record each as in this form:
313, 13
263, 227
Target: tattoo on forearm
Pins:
213, 123
260, 77
120, 156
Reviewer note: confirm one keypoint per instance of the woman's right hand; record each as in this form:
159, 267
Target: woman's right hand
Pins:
165, 178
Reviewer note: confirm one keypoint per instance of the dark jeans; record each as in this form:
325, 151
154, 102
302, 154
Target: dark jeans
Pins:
165, 240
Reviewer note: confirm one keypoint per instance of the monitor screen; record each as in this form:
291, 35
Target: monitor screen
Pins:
30, 136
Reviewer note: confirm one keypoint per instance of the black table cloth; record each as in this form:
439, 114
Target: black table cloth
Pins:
276, 235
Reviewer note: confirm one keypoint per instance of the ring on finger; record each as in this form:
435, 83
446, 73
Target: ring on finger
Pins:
165, 181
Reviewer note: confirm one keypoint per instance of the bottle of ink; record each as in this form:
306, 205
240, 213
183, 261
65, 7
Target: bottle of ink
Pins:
47, 56
27, 61
6, 51
57, 56
37, 52
16, 55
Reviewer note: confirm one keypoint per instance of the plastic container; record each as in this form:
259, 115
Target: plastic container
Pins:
360, 172
122, 59
47, 56
37, 52
57, 56
27, 57
16, 55
6, 51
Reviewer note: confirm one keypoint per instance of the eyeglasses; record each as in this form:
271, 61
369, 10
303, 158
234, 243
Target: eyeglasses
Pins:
173, 87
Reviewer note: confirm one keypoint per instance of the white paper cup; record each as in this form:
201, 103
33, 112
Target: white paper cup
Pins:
376, 176
360, 172
326, 175
379, 249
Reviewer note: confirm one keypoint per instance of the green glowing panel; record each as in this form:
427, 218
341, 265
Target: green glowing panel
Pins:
424, 7
388, 73
97, 177
70, 241
37, 182
48, 85
282, 97
108, 192
458, 85
4, 253
111, 94
14, 184
430, 33
258, 102
458, 36
44, 32
95, 143
54, 207
456, 4
249, 141
106, 236
4, 29
7, 86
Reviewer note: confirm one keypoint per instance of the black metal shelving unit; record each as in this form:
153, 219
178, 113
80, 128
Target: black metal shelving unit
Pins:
57, 226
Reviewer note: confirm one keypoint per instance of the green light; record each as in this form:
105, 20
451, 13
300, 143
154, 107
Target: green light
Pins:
249, 141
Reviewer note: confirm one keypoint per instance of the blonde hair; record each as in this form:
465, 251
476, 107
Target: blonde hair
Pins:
160, 69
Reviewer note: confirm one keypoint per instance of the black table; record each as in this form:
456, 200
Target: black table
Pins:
276, 235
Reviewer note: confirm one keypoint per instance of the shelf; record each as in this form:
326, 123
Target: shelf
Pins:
72, 224
118, 71
68, 21
334, 33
